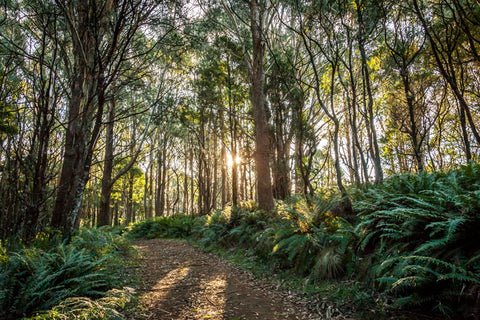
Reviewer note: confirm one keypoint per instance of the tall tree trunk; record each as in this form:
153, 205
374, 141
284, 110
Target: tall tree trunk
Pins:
233, 142
158, 184
84, 118
465, 136
357, 149
166, 194
116, 218
262, 136
223, 154
77, 160
104, 215
151, 190
192, 183
39, 151
146, 192
161, 175
234, 177
243, 176
185, 181
163, 183
130, 214
344, 208
281, 180
215, 168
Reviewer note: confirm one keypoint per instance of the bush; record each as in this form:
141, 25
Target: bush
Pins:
34, 279
423, 232
301, 236
179, 226
231, 227
311, 241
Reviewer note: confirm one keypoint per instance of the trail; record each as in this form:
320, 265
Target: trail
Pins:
180, 282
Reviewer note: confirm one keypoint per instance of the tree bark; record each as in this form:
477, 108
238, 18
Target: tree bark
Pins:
104, 214
78, 139
262, 136
185, 181
130, 214
281, 179
84, 116
413, 131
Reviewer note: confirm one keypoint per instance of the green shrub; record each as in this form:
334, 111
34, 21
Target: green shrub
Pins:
99, 243
33, 279
311, 241
179, 226
423, 231
301, 235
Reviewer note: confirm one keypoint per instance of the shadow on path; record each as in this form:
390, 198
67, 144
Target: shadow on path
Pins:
181, 282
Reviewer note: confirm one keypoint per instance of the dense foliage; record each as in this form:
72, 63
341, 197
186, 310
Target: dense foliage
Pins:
422, 233
53, 274
142, 108
415, 239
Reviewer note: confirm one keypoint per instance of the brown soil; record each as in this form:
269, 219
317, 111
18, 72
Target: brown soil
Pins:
180, 282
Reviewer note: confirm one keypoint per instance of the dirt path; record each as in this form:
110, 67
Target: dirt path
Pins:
180, 282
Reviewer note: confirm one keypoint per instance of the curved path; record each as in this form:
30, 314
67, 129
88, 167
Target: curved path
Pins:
180, 282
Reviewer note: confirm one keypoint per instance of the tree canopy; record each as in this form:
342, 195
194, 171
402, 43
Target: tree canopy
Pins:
114, 111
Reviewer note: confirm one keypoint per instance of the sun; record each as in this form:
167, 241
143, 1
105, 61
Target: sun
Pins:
238, 160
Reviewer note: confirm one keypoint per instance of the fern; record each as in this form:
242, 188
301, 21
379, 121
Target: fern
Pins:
33, 279
424, 232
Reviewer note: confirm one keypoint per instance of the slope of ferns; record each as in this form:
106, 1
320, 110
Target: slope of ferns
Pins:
66, 278
422, 234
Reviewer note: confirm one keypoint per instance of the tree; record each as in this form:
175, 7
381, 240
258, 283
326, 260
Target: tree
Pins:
324, 58
405, 43
365, 28
101, 36
35, 72
262, 136
445, 38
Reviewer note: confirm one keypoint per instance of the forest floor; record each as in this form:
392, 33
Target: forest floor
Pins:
180, 282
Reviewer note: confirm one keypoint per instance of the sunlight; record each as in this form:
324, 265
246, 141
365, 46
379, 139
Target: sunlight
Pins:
164, 285
213, 303
238, 160
156, 296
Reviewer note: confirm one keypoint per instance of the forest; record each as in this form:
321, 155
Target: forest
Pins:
335, 141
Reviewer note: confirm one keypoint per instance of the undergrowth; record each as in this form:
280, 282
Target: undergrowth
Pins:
51, 274
421, 232
106, 307
179, 226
